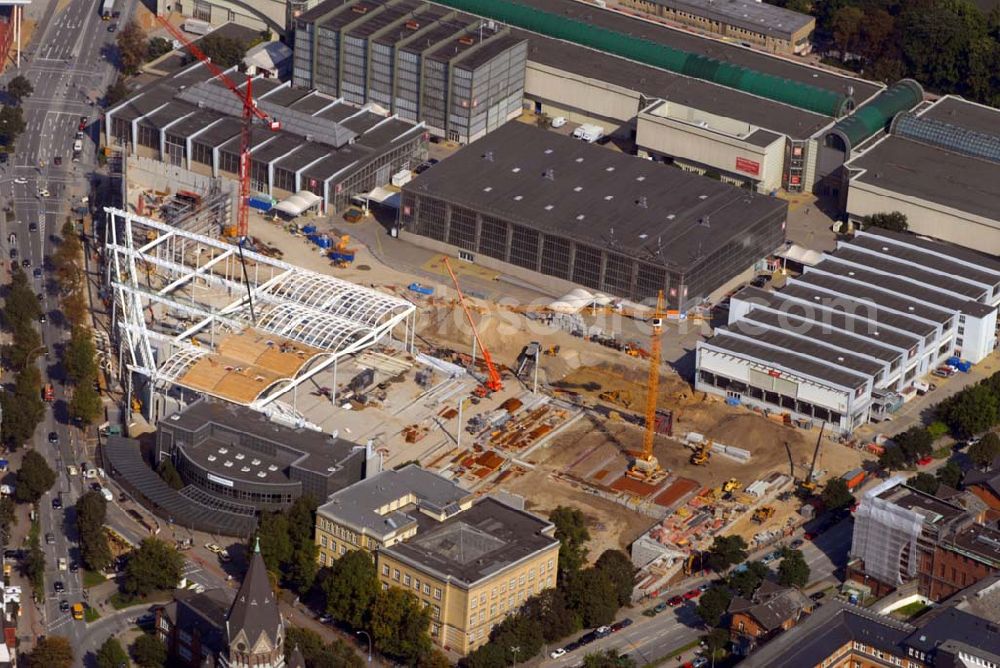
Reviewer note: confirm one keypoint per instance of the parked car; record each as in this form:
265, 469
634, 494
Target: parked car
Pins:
694, 593
623, 624
704, 586
674, 601
212, 547
796, 544
557, 653
558, 121
924, 461
602, 631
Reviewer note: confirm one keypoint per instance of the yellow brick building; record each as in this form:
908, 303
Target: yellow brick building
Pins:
472, 561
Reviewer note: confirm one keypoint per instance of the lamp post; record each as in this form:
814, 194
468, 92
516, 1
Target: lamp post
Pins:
514, 650
365, 634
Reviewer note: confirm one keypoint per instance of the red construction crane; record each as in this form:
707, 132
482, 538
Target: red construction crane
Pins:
493, 382
250, 112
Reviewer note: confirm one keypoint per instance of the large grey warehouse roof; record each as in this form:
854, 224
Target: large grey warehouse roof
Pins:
930, 173
789, 303
564, 186
758, 17
787, 359
477, 542
948, 154
860, 341
656, 83
986, 268
902, 287
857, 308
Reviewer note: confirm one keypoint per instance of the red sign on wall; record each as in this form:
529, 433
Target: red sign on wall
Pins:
774, 372
747, 166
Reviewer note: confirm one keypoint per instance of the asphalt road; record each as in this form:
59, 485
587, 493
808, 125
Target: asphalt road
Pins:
68, 67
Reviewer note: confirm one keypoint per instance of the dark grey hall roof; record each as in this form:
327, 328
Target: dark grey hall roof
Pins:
567, 187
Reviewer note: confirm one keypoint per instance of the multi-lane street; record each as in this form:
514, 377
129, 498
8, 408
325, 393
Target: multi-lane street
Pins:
68, 66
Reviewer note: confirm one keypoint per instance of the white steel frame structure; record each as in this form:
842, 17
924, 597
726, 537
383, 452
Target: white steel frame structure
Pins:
333, 316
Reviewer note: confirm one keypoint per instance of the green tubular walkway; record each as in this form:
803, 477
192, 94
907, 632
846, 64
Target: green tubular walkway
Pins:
779, 89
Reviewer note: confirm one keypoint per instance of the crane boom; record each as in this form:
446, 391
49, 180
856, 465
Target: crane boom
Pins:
653, 379
250, 112
493, 382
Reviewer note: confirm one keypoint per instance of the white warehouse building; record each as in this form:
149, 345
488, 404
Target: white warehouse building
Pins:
844, 340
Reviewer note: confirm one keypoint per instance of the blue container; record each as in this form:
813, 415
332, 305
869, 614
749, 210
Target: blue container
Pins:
322, 240
260, 203
309, 229
953, 361
421, 289
732, 401
341, 256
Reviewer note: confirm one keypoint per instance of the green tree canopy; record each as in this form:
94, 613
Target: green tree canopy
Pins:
616, 565
593, 596
12, 124
950, 474
155, 565
157, 47
726, 551
132, 47
985, 452
971, 411
713, 605
745, 582
915, 442
793, 571
552, 613
34, 478
169, 474
571, 531
894, 221
19, 88
80, 357
51, 652
149, 651
892, 458
317, 652
836, 495
400, 625
925, 482
91, 510
350, 587
111, 654
85, 406
224, 51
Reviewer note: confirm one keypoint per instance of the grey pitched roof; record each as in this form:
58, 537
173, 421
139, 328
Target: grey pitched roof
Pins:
772, 605
255, 609
832, 626
956, 626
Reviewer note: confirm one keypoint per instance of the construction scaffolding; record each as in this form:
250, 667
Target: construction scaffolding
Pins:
886, 535
195, 312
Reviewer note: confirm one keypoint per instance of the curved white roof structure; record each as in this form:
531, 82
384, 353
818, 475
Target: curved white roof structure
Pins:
190, 312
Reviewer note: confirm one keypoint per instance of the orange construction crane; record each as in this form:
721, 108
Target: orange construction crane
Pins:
645, 462
250, 112
493, 382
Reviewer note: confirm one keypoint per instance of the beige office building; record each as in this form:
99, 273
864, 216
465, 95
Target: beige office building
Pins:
471, 560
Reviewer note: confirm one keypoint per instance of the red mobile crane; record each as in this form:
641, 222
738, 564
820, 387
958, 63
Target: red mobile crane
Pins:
250, 112
493, 382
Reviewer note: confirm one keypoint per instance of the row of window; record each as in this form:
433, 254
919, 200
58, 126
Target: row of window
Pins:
411, 581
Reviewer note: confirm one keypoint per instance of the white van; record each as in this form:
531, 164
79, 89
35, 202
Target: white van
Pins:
589, 133
106, 493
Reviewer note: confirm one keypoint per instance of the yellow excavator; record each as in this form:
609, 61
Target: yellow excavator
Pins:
762, 514
730, 486
622, 398
702, 454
